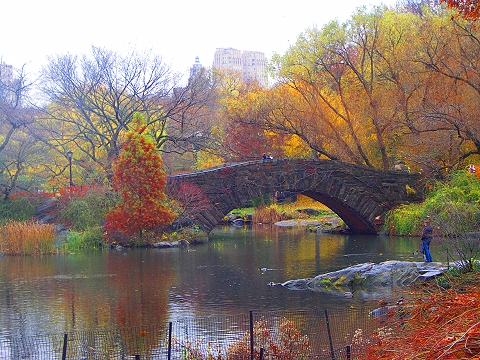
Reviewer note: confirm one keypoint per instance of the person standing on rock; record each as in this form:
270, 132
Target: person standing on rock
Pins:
427, 236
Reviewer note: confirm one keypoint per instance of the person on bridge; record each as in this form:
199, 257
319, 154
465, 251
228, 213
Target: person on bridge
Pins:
427, 237
400, 166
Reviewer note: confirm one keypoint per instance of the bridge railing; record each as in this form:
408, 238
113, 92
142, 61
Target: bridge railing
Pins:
267, 161
223, 166
241, 164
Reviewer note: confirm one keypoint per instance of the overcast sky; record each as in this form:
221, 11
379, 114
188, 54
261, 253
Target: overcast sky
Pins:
178, 30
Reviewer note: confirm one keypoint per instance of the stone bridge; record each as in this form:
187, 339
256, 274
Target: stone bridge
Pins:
359, 195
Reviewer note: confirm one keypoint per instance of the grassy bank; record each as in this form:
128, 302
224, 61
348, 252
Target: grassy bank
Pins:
303, 207
454, 210
81, 210
452, 206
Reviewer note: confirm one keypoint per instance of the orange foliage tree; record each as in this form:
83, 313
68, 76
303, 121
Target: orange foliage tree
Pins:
469, 9
332, 92
245, 136
139, 178
385, 85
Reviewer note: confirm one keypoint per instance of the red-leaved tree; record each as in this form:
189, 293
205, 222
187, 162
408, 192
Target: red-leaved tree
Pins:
139, 178
191, 198
468, 9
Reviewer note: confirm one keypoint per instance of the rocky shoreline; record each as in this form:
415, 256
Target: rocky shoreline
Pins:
368, 280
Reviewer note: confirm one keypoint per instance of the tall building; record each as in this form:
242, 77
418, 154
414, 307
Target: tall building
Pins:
6, 80
6, 74
250, 64
196, 68
228, 59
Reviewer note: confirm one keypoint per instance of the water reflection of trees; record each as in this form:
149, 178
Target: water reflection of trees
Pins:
236, 256
133, 288
19, 283
301, 250
142, 295
87, 291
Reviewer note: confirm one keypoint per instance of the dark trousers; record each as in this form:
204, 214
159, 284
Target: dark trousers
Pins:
426, 247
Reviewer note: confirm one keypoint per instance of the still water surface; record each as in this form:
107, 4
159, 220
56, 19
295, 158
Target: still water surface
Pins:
105, 289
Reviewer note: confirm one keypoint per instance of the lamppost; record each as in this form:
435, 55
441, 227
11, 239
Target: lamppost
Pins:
69, 156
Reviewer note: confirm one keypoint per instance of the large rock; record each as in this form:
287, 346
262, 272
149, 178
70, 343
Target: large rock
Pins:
366, 277
47, 212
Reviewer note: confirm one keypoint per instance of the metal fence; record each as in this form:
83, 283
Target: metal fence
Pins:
268, 335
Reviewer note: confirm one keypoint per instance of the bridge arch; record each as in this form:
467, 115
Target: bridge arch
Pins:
359, 195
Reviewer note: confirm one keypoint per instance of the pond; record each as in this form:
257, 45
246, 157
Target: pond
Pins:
227, 276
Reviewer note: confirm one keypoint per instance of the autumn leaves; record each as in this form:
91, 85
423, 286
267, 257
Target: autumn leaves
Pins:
140, 180
386, 85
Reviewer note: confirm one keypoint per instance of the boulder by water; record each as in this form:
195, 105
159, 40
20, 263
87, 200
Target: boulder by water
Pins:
46, 213
367, 277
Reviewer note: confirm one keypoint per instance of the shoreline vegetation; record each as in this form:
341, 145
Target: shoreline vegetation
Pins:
74, 220
440, 321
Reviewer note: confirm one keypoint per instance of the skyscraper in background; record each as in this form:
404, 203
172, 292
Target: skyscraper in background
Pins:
196, 68
6, 80
249, 64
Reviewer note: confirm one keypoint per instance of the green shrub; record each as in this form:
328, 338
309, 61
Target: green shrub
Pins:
91, 238
87, 211
460, 187
456, 218
18, 209
453, 205
406, 219
453, 208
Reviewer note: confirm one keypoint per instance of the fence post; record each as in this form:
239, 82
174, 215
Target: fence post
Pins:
329, 335
251, 335
64, 352
137, 357
349, 353
261, 353
170, 340
448, 262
